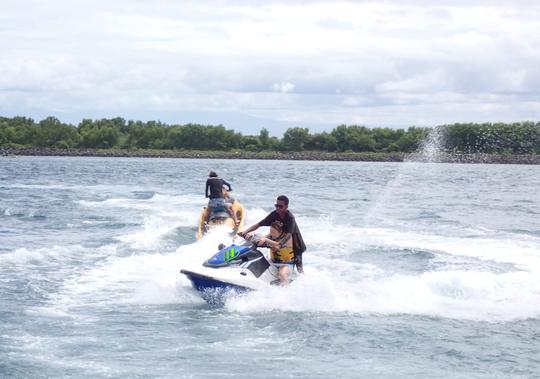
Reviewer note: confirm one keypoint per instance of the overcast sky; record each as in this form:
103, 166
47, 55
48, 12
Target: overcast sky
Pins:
275, 64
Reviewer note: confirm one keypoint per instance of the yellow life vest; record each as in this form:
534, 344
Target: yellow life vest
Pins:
283, 255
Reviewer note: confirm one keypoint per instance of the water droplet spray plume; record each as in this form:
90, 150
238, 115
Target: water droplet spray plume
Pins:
431, 147
430, 150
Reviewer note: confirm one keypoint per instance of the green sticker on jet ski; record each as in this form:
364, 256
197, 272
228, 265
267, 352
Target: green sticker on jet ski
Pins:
231, 254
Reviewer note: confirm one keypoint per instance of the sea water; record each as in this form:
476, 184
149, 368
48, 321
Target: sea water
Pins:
412, 270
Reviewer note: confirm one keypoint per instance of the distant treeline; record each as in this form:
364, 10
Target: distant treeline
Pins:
117, 133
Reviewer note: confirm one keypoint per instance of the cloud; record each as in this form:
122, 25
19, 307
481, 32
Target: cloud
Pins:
283, 87
300, 63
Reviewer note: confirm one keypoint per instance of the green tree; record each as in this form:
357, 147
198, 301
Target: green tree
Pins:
52, 133
194, 137
294, 139
322, 142
250, 143
264, 138
410, 140
360, 139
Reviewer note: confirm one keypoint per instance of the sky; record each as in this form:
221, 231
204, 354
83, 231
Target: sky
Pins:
252, 64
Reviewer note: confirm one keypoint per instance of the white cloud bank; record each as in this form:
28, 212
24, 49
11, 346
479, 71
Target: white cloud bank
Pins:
274, 64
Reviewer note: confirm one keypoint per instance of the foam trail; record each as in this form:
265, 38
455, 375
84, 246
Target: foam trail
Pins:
152, 278
334, 280
335, 283
155, 228
447, 294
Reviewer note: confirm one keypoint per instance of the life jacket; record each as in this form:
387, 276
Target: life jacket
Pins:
284, 254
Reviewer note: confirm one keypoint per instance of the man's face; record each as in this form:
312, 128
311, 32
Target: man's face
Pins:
281, 207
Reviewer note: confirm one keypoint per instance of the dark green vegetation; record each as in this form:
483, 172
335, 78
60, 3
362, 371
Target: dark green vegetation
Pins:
118, 134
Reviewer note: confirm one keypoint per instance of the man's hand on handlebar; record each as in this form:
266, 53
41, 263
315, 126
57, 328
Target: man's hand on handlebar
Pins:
245, 235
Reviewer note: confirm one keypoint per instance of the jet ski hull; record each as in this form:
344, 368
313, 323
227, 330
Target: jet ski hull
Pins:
212, 290
233, 269
204, 282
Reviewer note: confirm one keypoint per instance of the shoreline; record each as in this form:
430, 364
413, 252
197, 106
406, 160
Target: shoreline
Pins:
529, 159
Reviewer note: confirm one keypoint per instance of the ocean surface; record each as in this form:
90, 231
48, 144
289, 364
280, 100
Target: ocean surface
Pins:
413, 270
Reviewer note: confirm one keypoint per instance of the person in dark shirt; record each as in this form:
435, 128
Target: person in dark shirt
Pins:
214, 191
290, 229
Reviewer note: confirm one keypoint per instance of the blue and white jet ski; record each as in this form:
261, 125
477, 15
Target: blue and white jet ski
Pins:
235, 268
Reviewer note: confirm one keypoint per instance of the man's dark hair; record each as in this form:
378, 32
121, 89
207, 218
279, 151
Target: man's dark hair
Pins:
284, 198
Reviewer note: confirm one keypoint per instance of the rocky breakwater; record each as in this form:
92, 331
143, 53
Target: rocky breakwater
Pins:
276, 155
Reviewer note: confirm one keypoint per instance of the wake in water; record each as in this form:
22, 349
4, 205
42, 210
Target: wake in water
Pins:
405, 252
490, 280
364, 271
411, 269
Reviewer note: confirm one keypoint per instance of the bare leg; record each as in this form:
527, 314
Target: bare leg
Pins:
207, 214
283, 275
233, 215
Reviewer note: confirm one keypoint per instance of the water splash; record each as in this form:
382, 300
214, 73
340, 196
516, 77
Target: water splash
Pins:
431, 148
430, 151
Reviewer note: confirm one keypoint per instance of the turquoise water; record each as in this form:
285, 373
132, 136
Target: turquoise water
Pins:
412, 270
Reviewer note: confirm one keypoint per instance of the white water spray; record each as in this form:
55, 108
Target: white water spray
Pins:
430, 149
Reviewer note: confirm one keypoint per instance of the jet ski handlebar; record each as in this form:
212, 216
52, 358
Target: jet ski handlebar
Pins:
254, 239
